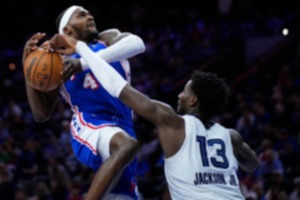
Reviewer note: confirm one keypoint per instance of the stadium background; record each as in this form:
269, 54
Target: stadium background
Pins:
254, 44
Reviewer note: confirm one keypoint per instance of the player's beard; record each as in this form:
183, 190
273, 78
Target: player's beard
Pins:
87, 35
179, 110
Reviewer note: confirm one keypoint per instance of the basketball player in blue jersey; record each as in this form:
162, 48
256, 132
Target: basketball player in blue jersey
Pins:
201, 156
101, 127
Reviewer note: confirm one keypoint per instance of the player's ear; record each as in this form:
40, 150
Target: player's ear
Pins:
67, 30
193, 100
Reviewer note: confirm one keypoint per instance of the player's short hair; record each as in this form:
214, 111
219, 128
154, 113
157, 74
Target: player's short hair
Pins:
212, 92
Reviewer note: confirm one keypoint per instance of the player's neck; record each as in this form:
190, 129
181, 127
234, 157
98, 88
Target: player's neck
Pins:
206, 120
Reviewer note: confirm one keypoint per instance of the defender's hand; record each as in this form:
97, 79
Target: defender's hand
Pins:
71, 67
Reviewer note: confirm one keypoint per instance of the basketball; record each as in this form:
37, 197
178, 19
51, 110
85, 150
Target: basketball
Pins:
42, 70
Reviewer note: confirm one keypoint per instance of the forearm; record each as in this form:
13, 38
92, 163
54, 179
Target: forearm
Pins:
248, 160
115, 85
123, 49
41, 104
109, 78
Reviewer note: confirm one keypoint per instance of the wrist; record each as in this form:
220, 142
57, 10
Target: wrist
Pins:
79, 46
83, 64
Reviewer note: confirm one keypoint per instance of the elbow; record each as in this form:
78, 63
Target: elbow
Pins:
251, 169
41, 118
255, 165
249, 162
251, 166
140, 45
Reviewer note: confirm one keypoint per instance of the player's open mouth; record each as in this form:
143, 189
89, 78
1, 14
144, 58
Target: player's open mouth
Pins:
91, 24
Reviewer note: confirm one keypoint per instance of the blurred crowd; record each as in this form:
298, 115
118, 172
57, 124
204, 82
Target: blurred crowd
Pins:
36, 160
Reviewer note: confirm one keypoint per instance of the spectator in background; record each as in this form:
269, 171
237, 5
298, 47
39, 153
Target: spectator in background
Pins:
295, 194
20, 194
59, 178
6, 183
259, 190
27, 166
246, 124
279, 188
41, 191
269, 163
265, 145
72, 164
75, 192
287, 147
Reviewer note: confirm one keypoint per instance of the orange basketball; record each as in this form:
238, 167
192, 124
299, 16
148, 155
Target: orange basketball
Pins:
42, 70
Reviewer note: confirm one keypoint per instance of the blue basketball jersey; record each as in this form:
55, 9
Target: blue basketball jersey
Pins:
93, 106
85, 94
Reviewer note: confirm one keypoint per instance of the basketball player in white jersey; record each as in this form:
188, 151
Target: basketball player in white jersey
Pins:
201, 156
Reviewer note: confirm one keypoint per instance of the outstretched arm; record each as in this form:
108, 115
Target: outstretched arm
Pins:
157, 113
121, 46
246, 157
42, 104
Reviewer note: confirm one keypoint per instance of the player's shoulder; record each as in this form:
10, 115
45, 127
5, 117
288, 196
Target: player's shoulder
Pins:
235, 136
234, 132
168, 116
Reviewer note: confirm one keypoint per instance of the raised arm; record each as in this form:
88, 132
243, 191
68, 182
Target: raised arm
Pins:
42, 104
246, 157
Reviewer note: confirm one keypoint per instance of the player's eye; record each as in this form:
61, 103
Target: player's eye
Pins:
82, 14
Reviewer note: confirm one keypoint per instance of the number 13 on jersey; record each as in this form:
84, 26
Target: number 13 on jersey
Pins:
220, 160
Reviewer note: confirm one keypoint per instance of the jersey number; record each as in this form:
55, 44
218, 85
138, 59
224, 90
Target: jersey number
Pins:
90, 82
222, 162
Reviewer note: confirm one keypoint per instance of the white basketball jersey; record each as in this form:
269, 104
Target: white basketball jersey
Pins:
205, 166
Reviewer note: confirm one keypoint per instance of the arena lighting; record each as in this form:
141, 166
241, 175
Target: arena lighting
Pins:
12, 66
285, 31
